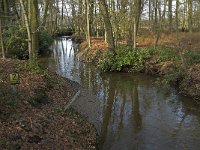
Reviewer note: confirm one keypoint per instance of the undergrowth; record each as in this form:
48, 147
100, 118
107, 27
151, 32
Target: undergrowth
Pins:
124, 56
15, 40
174, 77
136, 59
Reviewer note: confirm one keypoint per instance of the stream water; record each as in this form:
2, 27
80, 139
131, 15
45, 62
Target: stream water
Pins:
135, 113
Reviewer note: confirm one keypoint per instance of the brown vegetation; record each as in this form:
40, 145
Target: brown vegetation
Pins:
31, 113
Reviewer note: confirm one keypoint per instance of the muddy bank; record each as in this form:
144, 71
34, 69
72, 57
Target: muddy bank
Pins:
32, 113
187, 78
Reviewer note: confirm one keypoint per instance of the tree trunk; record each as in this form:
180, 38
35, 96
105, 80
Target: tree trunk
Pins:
74, 22
27, 28
88, 23
34, 28
190, 15
46, 6
138, 8
159, 27
170, 14
108, 27
155, 14
62, 13
1, 38
177, 18
80, 17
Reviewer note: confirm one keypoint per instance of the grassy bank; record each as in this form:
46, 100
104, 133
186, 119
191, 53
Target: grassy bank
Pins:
32, 112
172, 66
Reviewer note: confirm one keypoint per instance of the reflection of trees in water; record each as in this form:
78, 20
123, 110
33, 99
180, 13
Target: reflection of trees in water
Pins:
121, 91
137, 118
124, 97
107, 110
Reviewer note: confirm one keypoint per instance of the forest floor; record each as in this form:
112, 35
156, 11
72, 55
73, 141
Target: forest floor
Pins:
189, 85
32, 112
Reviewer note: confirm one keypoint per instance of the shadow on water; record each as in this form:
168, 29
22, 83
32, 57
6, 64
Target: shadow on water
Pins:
135, 113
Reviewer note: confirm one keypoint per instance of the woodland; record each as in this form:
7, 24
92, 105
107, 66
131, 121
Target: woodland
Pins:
113, 19
156, 37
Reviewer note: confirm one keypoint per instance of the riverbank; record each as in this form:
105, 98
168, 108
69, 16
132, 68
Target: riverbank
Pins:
172, 66
32, 112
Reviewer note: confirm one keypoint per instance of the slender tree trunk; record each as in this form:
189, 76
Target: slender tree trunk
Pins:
34, 27
80, 16
108, 27
62, 13
1, 38
190, 15
88, 23
27, 28
46, 6
177, 18
150, 7
55, 24
73, 15
170, 14
135, 34
159, 27
138, 8
155, 14
131, 25
50, 23
91, 16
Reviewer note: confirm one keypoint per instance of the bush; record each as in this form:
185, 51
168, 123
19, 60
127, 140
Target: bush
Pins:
17, 45
174, 77
163, 54
123, 57
45, 40
15, 41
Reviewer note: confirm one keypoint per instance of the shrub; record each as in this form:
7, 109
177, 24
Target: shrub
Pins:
17, 45
135, 58
15, 41
45, 40
174, 77
163, 53
123, 57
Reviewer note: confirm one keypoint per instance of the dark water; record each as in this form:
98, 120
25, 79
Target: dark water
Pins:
135, 113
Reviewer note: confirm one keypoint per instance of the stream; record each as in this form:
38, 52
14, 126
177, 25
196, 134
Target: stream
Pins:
135, 114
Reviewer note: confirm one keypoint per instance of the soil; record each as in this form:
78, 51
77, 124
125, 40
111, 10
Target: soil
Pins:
32, 112
189, 85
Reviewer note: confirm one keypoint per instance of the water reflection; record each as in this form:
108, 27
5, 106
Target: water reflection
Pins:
136, 114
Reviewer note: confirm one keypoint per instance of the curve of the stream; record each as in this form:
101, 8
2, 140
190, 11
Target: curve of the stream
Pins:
134, 112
